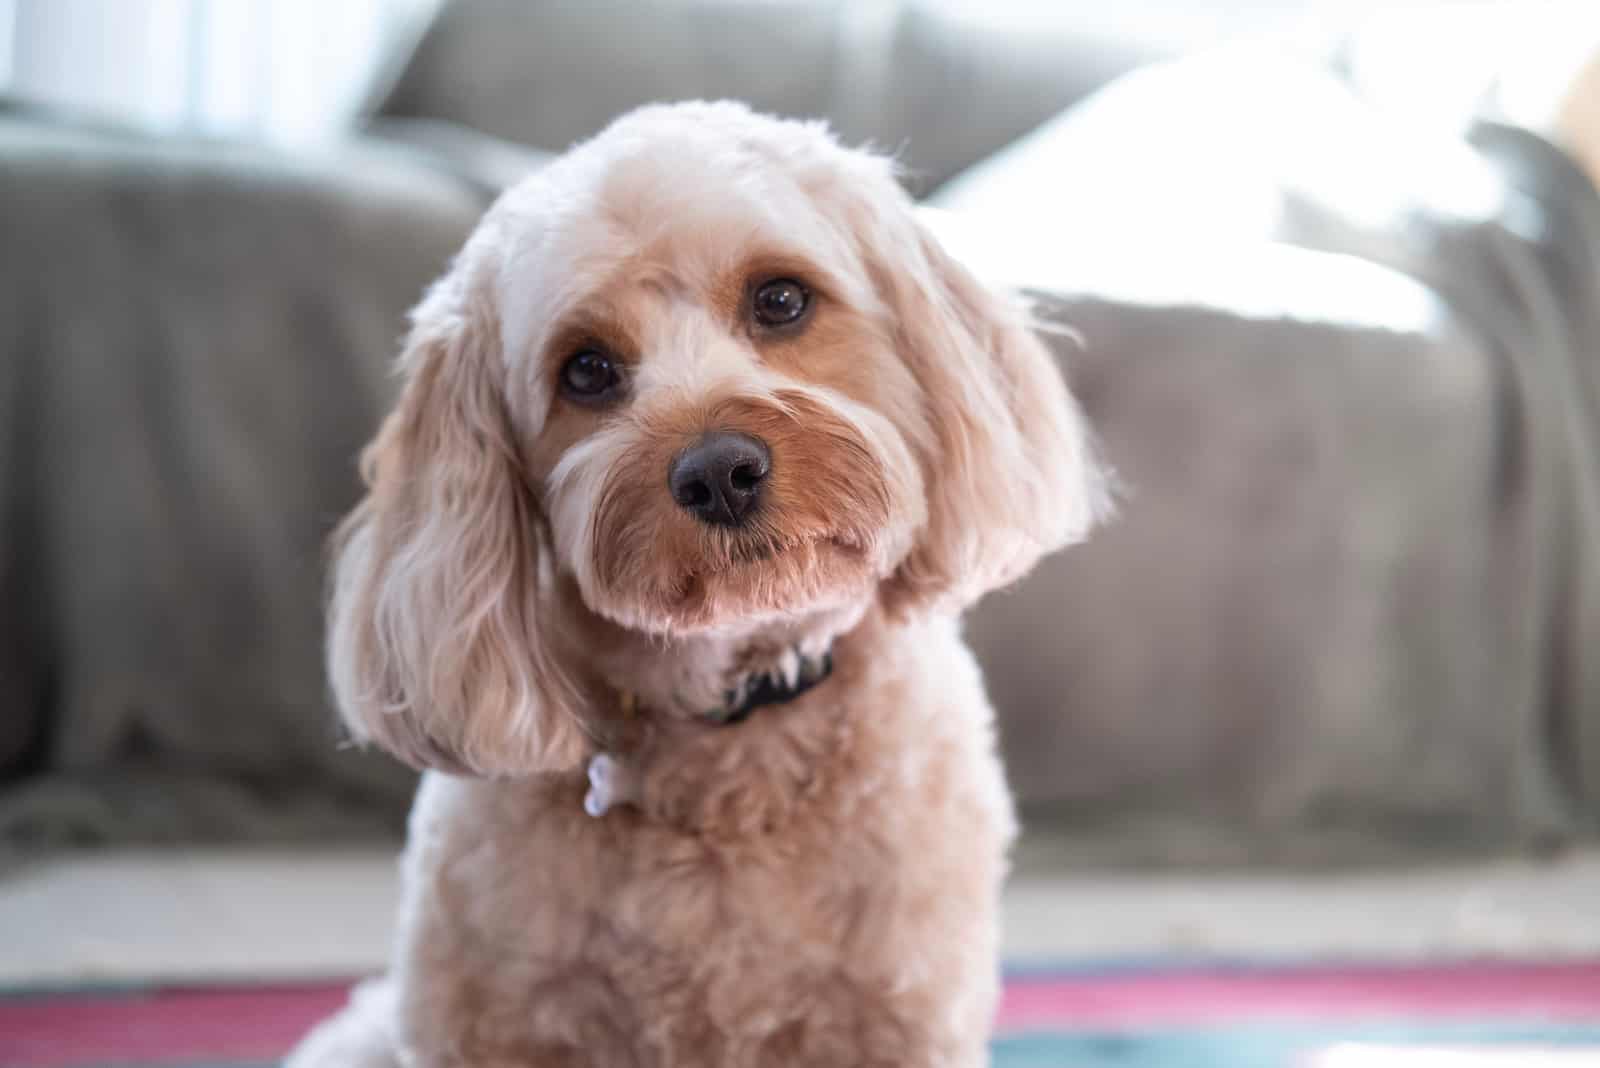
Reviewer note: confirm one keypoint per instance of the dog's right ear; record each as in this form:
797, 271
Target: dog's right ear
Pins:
435, 646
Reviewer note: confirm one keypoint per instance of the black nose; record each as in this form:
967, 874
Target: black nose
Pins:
718, 478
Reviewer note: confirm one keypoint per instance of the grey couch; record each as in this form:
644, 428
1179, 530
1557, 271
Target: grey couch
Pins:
1345, 610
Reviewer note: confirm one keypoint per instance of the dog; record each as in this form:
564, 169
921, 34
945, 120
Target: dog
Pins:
703, 445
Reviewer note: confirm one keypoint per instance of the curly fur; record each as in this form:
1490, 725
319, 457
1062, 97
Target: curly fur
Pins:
817, 885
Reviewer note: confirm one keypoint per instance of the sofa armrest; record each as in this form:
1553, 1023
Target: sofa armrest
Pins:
482, 161
197, 340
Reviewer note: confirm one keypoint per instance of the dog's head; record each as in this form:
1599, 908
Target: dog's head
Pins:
708, 371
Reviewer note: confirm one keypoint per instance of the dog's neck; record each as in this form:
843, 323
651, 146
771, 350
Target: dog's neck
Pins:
712, 678
795, 672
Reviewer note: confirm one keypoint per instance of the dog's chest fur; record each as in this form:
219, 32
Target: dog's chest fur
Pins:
806, 904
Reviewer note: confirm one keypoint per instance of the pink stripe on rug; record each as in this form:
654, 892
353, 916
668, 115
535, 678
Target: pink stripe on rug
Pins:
1567, 993
261, 1024
165, 1027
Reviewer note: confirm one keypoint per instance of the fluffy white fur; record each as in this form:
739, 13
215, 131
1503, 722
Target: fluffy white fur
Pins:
519, 593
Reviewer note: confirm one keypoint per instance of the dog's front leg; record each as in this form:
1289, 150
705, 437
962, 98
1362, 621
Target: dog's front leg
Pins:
360, 1036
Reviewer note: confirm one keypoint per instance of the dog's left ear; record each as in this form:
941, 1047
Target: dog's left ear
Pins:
1007, 455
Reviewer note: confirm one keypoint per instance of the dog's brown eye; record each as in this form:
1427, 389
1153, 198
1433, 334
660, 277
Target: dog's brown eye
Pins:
779, 302
590, 374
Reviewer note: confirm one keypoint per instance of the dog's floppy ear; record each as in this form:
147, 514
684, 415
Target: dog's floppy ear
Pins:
1007, 456
435, 644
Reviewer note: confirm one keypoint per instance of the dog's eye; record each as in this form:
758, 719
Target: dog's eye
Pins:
590, 374
779, 302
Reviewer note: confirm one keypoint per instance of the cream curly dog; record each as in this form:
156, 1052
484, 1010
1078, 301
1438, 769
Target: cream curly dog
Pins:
704, 444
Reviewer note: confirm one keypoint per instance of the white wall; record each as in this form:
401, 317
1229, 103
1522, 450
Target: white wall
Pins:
296, 70
281, 70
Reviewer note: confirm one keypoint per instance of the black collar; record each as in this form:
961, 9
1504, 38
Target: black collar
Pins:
775, 687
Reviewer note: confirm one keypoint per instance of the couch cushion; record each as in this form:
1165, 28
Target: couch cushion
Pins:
941, 84
202, 336
1343, 368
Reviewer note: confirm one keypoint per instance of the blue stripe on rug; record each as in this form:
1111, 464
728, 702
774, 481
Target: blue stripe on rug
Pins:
1264, 1046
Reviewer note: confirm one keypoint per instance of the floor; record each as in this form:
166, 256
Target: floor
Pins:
130, 917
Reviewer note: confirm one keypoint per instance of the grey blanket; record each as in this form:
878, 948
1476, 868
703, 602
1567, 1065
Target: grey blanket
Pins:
1349, 373
194, 343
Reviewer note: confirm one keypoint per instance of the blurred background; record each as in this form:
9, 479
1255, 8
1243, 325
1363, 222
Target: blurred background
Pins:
1307, 741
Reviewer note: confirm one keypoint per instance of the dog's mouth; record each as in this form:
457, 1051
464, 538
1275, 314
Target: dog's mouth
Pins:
769, 558
766, 578
753, 552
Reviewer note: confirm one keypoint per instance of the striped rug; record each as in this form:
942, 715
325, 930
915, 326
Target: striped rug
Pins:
1117, 1015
